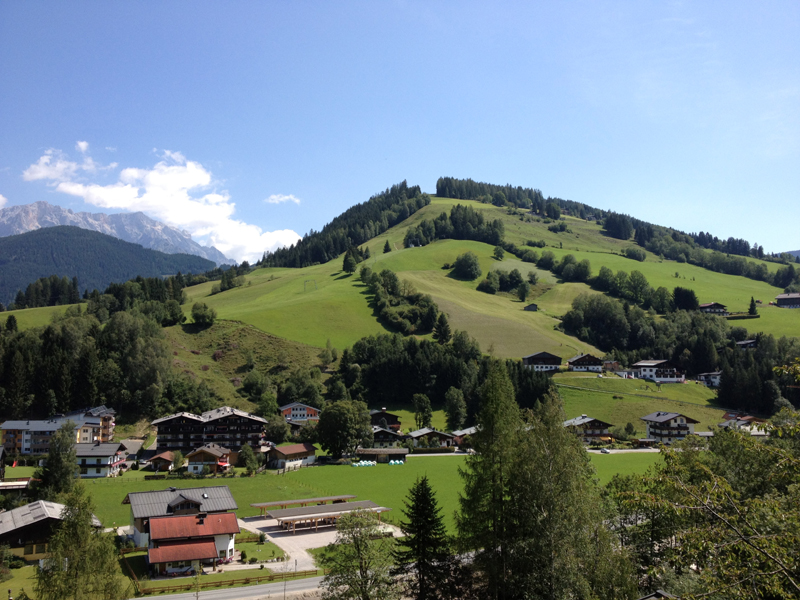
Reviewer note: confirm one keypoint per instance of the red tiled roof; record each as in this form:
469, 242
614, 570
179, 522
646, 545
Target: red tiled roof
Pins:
190, 526
296, 449
178, 551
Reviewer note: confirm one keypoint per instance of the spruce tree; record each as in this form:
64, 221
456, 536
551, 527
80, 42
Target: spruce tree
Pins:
422, 555
57, 476
386, 247
441, 331
349, 265
11, 324
753, 310
456, 408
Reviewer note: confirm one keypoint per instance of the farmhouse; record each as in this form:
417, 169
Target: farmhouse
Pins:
585, 362
668, 427
387, 420
212, 456
710, 379
386, 438
299, 412
27, 530
531, 307
788, 300
182, 543
100, 460
611, 365
714, 308
660, 371
146, 506
226, 426
293, 455
444, 440
589, 429
542, 361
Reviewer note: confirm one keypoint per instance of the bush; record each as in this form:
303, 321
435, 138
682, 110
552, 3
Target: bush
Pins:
635, 253
244, 555
253, 560
467, 266
202, 314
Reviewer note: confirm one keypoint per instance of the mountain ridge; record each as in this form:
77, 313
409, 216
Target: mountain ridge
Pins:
135, 228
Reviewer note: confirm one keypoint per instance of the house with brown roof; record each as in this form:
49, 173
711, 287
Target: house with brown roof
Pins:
386, 438
294, 455
668, 427
211, 456
714, 308
585, 362
791, 300
589, 429
184, 543
163, 461
660, 371
377, 418
542, 361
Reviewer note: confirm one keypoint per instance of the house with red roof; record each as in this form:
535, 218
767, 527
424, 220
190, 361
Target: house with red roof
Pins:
186, 542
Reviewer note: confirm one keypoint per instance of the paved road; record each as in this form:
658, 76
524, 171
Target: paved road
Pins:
273, 590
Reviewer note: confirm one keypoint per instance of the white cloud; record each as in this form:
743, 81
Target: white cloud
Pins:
83, 147
3, 200
281, 198
175, 191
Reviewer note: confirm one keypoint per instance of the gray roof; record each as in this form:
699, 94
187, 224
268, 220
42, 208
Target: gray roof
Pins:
650, 363
49, 424
33, 513
211, 415
579, 356
377, 428
311, 511
663, 417
156, 503
467, 431
583, 420
109, 449
427, 431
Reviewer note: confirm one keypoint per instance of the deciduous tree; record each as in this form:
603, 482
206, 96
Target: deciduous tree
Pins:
343, 427
57, 476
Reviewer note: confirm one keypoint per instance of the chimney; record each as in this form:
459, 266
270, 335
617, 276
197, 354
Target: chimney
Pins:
383, 409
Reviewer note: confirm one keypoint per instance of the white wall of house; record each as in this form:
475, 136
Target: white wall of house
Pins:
544, 367
654, 430
594, 369
289, 464
225, 543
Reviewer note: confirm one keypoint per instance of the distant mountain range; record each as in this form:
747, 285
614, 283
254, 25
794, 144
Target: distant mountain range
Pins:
136, 228
94, 258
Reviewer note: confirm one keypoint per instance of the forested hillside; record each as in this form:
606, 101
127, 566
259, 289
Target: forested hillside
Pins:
94, 258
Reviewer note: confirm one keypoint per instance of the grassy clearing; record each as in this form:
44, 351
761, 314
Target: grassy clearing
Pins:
628, 463
29, 318
23, 578
12, 472
262, 552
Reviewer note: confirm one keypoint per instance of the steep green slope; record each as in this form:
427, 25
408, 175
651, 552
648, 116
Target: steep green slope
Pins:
94, 258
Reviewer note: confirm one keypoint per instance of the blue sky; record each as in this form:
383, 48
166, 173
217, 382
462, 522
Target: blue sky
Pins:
245, 122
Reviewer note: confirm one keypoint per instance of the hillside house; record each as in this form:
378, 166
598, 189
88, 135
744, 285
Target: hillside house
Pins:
668, 427
183, 543
225, 426
299, 412
710, 379
714, 308
611, 365
146, 506
214, 457
99, 459
294, 455
542, 362
660, 371
386, 438
585, 362
387, 420
788, 300
434, 438
747, 344
745, 423
27, 530
531, 307
589, 429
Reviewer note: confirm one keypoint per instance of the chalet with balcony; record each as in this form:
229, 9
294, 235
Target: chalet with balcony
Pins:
668, 427
585, 362
294, 455
182, 544
542, 362
382, 418
99, 459
714, 308
660, 371
228, 427
710, 379
386, 438
788, 300
213, 457
297, 411
147, 506
589, 429
433, 437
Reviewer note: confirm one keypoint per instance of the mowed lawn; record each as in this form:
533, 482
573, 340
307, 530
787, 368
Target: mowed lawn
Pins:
29, 318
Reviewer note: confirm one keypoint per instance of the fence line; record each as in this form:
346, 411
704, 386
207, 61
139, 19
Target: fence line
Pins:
188, 587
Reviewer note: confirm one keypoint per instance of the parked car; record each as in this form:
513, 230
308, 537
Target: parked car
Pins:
605, 451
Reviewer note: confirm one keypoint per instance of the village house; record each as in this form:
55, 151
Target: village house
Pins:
386, 438
213, 457
747, 344
297, 411
146, 506
387, 420
163, 461
660, 371
184, 543
710, 379
589, 429
585, 362
668, 427
460, 434
714, 308
434, 438
33, 436
611, 365
225, 426
788, 300
745, 423
99, 459
542, 361
27, 530
294, 455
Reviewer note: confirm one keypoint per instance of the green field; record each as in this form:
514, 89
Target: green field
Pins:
596, 399
383, 484
34, 317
